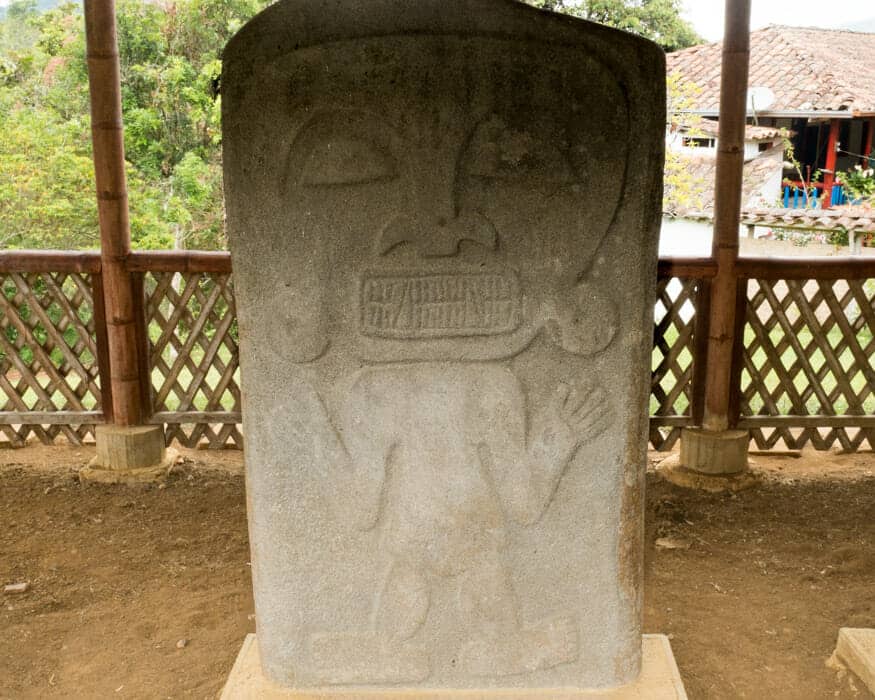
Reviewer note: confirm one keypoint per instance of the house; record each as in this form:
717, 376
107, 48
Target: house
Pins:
817, 83
688, 203
699, 138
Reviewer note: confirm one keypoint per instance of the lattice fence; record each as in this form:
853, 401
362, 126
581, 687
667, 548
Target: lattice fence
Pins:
49, 376
192, 329
674, 350
807, 373
809, 363
195, 376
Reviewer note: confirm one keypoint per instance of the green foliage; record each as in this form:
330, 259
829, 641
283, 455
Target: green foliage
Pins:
657, 20
170, 66
859, 183
682, 189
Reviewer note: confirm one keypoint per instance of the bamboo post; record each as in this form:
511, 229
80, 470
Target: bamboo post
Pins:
715, 450
112, 207
127, 450
727, 212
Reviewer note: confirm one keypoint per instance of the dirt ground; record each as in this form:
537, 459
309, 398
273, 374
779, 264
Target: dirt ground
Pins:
119, 577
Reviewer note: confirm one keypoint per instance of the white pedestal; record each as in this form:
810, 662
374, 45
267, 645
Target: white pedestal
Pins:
659, 680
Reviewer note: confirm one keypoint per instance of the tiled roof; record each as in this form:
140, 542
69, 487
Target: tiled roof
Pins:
857, 219
807, 69
751, 132
702, 170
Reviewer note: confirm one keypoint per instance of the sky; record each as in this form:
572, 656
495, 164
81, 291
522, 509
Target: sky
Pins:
707, 15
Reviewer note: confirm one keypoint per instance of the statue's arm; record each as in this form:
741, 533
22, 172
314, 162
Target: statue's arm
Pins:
349, 458
527, 462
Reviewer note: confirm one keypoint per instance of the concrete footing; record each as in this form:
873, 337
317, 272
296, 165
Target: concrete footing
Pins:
714, 452
855, 649
710, 460
673, 471
659, 680
129, 455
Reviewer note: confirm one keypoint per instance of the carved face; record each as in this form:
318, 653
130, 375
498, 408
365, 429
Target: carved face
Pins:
449, 210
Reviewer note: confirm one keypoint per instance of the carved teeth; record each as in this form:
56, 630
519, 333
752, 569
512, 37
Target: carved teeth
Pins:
439, 305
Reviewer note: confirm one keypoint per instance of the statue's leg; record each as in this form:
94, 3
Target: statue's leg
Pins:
498, 643
486, 598
401, 606
387, 652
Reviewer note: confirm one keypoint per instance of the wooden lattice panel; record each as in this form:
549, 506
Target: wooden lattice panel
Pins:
49, 378
193, 357
673, 352
809, 363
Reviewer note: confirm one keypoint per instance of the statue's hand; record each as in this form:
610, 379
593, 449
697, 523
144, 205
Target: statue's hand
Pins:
575, 415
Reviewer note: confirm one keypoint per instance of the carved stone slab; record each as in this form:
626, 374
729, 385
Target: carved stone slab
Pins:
443, 219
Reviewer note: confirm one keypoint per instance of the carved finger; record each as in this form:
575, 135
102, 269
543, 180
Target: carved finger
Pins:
592, 413
560, 399
596, 426
594, 402
575, 400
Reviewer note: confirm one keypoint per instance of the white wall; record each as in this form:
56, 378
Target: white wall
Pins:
685, 238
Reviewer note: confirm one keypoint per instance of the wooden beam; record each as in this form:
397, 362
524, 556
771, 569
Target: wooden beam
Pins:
698, 268
218, 262
671, 421
196, 417
85, 261
727, 213
50, 417
102, 341
112, 208
810, 421
867, 147
827, 268
829, 171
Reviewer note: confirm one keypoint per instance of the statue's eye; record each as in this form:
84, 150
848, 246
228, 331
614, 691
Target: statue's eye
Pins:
497, 151
344, 160
342, 147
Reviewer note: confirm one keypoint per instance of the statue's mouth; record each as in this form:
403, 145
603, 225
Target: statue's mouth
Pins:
439, 305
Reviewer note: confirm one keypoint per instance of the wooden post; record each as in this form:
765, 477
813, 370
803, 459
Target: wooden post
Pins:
112, 207
867, 148
727, 214
829, 174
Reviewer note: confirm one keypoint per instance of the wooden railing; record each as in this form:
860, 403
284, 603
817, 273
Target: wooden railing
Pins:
802, 370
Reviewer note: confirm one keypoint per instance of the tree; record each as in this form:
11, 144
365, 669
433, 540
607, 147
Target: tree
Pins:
657, 20
170, 66
682, 189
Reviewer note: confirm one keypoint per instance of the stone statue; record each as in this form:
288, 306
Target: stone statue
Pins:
443, 218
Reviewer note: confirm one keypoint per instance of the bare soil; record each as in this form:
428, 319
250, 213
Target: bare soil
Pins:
120, 576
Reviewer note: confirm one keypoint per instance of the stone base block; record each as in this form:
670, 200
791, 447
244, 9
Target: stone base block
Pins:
855, 649
673, 471
659, 680
714, 452
129, 454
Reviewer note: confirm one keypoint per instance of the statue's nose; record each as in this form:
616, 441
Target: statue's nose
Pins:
431, 221
438, 237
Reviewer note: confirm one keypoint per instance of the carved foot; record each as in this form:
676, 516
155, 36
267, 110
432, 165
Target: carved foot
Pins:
364, 659
544, 645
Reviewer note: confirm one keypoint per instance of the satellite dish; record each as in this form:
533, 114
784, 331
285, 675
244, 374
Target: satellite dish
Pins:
759, 99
